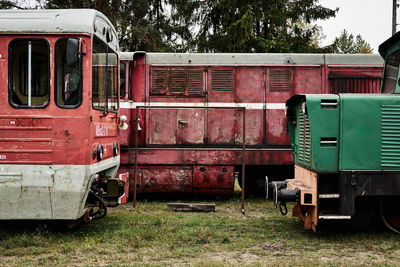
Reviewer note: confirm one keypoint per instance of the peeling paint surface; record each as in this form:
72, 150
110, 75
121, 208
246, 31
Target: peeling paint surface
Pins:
181, 137
48, 192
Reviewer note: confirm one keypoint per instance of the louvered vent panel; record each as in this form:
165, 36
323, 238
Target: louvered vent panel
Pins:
355, 85
222, 80
195, 81
390, 136
280, 80
177, 81
159, 82
304, 149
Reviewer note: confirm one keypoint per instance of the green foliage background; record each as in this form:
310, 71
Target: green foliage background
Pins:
258, 26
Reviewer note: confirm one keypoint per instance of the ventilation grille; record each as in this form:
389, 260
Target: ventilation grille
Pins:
390, 136
177, 81
280, 80
222, 80
159, 82
355, 85
172, 81
195, 81
304, 152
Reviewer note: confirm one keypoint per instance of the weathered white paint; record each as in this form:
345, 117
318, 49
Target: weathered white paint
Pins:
258, 58
132, 105
86, 21
46, 192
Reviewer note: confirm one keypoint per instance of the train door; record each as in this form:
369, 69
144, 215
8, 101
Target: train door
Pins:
221, 123
173, 91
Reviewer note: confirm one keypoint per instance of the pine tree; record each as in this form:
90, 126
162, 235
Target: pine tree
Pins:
345, 44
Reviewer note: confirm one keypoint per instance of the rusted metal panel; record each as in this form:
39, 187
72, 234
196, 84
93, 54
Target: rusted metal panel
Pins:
222, 125
308, 80
166, 179
222, 156
276, 125
213, 177
162, 126
190, 126
254, 127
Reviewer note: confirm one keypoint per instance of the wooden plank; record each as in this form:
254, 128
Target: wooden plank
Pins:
188, 207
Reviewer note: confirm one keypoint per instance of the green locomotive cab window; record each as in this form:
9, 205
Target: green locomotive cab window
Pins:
391, 73
29, 73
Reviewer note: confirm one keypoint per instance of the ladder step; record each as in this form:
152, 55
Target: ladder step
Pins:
334, 217
329, 195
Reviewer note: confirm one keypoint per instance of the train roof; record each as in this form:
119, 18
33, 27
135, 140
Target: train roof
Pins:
386, 45
258, 58
84, 21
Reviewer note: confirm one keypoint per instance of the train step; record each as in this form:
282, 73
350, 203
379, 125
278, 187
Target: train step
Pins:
329, 195
334, 217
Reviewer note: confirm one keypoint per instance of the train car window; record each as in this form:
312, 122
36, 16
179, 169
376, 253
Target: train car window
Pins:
130, 82
104, 77
391, 73
67, 79
122, 81
29, 69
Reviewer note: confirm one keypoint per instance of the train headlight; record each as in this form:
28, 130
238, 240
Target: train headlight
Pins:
115, 149
100, 152
122, 124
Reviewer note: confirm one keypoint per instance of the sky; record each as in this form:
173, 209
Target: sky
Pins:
370, 18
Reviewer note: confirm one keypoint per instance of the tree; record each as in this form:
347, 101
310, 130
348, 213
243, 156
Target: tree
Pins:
346, 44
258, 25
210, 25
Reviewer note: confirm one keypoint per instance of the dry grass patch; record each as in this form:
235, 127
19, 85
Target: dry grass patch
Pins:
153, 236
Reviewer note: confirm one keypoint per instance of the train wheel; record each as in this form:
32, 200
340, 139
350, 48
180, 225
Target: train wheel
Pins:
390, 214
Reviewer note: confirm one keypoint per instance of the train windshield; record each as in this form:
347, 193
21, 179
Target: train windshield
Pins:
391, 73
104, 77
29, 84
68, 83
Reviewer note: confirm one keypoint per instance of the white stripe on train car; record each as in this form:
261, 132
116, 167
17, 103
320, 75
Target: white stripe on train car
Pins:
132, 105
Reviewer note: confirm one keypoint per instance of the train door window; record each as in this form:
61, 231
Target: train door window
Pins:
130, 82
67, 79
29, 73
391, 73
104, 77
122, 81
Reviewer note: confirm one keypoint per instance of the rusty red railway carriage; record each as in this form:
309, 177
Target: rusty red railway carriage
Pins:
59, 136
190, 114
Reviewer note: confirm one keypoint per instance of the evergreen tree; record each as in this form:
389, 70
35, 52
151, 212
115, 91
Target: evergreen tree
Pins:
258, 25
209, 25
346, 44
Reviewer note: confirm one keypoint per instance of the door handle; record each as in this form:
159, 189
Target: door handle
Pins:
182, 122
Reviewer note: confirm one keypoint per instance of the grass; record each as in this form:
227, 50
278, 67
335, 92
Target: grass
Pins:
152, 236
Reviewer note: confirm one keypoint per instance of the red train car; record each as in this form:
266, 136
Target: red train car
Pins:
59, 136
190, 114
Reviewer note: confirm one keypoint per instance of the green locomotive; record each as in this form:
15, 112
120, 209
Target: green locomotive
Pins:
346, 150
